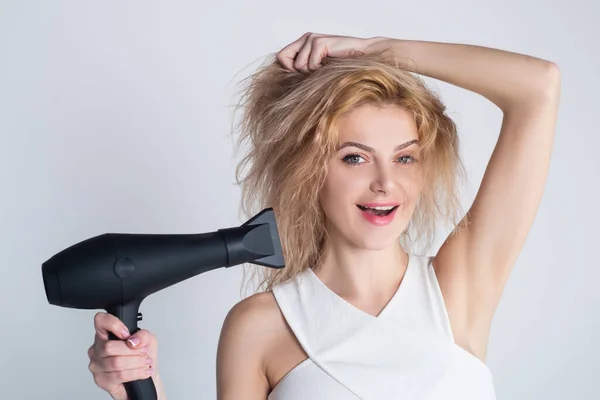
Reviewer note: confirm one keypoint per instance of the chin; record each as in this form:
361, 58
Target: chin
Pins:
376, 241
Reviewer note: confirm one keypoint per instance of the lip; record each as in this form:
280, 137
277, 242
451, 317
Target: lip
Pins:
379, 204
377, 220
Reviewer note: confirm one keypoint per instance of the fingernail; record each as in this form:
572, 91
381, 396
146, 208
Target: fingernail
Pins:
145, 350
134, 341
125, 332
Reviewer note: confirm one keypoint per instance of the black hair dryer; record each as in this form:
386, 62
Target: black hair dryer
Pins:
116, 272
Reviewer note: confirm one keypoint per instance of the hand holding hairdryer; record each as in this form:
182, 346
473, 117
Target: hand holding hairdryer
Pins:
115, 362
116, 272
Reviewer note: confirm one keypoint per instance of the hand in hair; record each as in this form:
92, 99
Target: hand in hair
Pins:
306, 53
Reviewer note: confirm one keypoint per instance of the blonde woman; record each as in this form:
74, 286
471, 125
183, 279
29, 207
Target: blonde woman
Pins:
360, 163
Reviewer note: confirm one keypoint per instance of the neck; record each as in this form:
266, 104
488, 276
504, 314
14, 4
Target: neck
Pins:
362, 275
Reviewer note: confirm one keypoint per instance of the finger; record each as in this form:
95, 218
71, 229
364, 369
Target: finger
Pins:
318, 51
108, 348
287, 55
105, 322
142, 338
121, 363
142, 342
301, 62
110, 379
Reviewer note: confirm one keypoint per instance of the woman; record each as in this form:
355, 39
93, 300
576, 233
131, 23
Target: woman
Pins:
359, 161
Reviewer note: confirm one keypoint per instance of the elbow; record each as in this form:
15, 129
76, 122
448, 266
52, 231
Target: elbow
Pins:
549, 81
542, 91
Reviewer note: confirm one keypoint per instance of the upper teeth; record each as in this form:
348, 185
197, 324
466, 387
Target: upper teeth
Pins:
381, 208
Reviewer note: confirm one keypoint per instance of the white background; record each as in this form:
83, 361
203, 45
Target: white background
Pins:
115, 116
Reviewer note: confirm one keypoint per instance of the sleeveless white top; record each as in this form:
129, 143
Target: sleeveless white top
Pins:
407, 352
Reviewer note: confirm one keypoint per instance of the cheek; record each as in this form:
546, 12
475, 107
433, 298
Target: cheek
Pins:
416, 185
410, 180
339, 191
344, 184
413, 186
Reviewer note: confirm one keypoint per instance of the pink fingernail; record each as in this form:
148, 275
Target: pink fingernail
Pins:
134, 341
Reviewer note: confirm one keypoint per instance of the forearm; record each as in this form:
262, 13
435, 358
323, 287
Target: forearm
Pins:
505, 78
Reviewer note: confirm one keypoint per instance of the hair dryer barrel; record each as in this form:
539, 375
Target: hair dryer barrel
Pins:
117, 268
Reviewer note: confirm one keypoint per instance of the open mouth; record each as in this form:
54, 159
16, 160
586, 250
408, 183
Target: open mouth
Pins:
380, 213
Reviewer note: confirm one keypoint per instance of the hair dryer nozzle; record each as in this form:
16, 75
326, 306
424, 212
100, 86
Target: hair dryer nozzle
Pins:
257, 236
51, 285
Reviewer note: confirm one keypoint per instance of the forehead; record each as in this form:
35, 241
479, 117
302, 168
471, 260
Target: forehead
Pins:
370, 122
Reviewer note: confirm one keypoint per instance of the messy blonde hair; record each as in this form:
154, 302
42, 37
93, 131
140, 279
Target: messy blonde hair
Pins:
290, 126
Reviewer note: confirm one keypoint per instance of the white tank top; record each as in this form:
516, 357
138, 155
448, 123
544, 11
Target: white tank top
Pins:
407, 352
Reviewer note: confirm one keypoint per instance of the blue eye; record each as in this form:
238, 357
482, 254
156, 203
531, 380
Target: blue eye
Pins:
410, 159
349, 156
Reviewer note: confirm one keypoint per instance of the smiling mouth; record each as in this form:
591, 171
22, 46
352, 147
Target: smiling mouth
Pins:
381, 213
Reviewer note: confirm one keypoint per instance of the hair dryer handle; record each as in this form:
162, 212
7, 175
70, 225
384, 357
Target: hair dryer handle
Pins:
142, 389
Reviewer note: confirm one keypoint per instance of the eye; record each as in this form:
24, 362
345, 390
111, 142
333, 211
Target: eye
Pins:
410, 158
349, 157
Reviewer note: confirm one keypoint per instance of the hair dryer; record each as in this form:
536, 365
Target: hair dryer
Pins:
116, 272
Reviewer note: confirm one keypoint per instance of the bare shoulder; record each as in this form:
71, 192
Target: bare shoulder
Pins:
248, 329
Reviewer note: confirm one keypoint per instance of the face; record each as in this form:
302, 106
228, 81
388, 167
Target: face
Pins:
377, 162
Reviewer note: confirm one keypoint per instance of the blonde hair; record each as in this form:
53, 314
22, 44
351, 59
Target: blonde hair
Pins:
289, 123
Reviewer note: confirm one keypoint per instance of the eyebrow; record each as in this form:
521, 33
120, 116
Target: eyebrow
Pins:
372, 150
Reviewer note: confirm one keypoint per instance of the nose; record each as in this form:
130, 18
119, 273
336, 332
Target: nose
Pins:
383, 180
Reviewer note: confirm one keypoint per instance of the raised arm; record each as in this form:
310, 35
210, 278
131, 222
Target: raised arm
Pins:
475, 261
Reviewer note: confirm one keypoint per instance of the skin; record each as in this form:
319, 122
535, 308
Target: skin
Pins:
472, 266
361, 260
